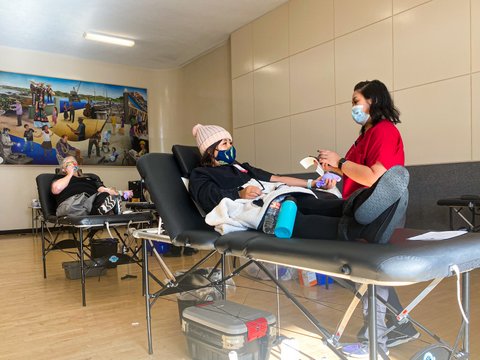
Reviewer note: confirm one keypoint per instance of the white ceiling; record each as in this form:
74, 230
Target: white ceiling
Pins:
168, 33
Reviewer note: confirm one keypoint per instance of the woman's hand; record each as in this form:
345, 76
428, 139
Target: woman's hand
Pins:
70, 170
329, 184
328, 159
250, 192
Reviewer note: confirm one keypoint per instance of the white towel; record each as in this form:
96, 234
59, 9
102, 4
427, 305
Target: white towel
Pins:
242, 214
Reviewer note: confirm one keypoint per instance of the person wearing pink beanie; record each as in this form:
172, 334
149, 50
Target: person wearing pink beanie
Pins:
221, 176
207, 135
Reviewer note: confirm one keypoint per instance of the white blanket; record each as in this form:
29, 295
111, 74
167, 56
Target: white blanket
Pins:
242, 214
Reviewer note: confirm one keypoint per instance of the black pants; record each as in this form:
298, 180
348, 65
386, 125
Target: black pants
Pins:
317, 218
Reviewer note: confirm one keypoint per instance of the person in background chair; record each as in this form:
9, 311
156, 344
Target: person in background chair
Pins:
75, 192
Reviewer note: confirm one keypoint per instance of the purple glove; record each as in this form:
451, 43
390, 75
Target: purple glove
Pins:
328, 176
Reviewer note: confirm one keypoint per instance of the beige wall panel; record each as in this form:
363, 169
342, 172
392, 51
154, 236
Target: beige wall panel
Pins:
311, 131
244, 142
431, 42
363, 55
272, 146
351, 15
475, 41
476, 117
311, 23
346, 130
271, 91
242, 101
436, 123
242, 51
402, 5
206, 92
270, 37
312, 79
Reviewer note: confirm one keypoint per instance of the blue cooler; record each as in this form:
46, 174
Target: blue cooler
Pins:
219, 327
161, 247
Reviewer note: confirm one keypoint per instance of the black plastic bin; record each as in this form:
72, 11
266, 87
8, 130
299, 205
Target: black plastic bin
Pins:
73, 272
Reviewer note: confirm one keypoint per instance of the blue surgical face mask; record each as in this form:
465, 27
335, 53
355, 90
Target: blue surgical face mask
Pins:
226, 157
359, 116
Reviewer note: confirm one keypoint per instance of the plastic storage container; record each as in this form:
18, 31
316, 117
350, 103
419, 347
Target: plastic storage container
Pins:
200, 296
322, 279
161, 247
72, 269
214, 330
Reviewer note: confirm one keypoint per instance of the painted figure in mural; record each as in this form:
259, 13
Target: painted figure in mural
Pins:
50, 94
113, 120
65, 111
64, 149
33, 91
71, 108
137, 154
40, 118
54, 115
107, 134
111, 158
94, 141
80, 130
47, 141
19, 112
28, 137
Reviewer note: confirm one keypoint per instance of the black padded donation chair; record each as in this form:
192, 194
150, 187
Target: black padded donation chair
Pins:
398, 263
181, 218
79, 245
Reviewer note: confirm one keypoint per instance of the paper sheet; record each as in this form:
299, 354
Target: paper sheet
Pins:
438, 235
310, 161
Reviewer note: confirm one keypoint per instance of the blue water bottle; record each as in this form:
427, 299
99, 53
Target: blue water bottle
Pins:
286, 218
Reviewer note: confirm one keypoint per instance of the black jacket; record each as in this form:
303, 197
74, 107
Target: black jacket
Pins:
209, 185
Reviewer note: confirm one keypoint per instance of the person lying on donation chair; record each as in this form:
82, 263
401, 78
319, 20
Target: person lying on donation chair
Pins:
78, 194
318, 217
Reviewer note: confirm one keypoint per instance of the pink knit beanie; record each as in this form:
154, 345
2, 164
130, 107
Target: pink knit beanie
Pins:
207, 135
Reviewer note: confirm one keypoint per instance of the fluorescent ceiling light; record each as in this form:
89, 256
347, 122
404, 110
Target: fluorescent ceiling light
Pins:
108, 39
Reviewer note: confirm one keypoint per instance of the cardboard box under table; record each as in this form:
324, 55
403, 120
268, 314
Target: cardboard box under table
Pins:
217, 328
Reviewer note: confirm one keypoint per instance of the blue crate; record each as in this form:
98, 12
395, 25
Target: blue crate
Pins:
161, 247
321, 279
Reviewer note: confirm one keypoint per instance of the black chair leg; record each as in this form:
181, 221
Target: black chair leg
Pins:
43, 251
82, 267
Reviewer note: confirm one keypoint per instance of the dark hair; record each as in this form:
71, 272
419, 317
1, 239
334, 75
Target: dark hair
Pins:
208, 157
382, 106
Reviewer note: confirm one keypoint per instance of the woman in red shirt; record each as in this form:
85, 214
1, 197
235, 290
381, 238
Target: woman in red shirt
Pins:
379, 146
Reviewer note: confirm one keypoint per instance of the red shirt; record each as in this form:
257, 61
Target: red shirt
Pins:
382, 143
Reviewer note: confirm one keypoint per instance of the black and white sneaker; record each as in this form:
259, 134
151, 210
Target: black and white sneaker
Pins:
108, 205
396, 339
402, 334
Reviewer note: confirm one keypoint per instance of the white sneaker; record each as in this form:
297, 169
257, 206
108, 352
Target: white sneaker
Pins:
358, 351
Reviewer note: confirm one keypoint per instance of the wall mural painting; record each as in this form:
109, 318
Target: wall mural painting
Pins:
44, 119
